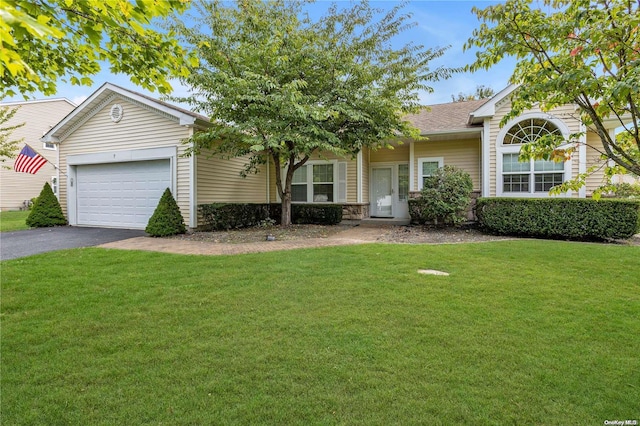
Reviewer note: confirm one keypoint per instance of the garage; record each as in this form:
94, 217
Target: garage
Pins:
120, 195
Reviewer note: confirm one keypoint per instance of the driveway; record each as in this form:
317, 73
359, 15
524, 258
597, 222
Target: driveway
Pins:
25, 243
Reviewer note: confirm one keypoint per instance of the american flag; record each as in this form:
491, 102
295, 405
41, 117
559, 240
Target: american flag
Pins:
29, 161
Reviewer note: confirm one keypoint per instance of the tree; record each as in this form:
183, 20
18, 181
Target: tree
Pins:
46, 211
166, 219
585, 52
282, 87
44, 41
482, 92
8, 146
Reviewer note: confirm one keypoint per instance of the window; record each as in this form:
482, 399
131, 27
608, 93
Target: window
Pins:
315, 183
403, 182
49, 145
534, 176
427, 167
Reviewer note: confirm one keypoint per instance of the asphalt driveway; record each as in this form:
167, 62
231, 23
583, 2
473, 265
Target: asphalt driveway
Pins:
25, 243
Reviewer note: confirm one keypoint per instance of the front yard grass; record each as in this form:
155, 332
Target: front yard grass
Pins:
13, 220
521, 332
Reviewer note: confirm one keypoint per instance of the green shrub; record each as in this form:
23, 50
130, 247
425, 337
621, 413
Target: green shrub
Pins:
444, 198
46, 210
166, 219
221, 216
568, 218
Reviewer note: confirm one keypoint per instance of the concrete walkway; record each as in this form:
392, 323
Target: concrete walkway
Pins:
357, 235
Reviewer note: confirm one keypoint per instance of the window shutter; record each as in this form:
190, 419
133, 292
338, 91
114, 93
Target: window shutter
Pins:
342, 182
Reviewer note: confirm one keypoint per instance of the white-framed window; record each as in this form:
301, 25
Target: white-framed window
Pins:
49, 145
319, 182
533, 177
427, 167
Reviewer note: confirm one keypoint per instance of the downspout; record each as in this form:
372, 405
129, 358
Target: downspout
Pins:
412, 179
359, 178
485, 140
582, 159
193, 188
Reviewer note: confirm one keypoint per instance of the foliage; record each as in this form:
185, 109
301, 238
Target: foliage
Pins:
343, 335
47, 41
482, 92
283, 87
585, 52
8, 146
444, 198
625, 190
222, 216
560, 217
46, 211
166, 219
13, 220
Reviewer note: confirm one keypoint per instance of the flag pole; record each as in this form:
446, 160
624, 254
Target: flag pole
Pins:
47, 160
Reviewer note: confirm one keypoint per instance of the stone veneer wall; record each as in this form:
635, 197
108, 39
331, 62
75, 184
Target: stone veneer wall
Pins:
355, 211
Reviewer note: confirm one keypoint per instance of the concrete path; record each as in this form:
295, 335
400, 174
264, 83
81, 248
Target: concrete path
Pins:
356, 235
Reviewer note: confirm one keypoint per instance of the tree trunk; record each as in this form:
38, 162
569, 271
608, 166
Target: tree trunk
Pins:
285, 219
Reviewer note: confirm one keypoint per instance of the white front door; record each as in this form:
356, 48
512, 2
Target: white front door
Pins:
390, 190
382, 186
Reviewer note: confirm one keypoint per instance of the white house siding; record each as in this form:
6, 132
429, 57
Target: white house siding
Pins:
566, 113
38, 116
139, 128
464, 154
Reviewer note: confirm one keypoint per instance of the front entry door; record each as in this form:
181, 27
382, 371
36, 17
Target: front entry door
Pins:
382, 185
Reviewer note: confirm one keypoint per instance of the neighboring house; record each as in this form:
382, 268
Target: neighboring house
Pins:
120, 149
39, 117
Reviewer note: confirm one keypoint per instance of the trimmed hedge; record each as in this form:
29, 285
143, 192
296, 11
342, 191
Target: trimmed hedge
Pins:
220, 216
46, 210
560, 217
166, 219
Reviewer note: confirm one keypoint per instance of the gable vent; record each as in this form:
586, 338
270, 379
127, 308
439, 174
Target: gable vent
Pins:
116, 113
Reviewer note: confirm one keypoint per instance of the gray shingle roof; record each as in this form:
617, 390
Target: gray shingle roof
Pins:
446, 118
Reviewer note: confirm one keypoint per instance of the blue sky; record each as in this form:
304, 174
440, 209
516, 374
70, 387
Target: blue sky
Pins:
439, 23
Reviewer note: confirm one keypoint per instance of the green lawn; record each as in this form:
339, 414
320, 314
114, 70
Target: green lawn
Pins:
521, 332
13, 220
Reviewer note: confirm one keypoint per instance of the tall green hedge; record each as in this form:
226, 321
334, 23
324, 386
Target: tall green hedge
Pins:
560, 217
220, 216
46, 210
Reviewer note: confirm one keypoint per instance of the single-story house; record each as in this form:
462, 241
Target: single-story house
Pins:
120, 149
17, 189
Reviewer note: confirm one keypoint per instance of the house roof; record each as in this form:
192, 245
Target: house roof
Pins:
452, 117
105, 94
36, 101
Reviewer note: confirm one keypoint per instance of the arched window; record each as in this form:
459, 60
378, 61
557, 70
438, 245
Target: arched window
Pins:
530, 177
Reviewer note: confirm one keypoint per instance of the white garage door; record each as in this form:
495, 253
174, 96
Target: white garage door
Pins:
121, 195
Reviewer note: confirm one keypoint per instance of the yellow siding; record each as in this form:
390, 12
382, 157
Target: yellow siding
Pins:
464, 154
219, 180
138, 129
593, 157
386, 155
39, 117
565, 113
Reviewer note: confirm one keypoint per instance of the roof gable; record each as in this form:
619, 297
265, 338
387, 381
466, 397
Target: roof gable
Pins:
107, 93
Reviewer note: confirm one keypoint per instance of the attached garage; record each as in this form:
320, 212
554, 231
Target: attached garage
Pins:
120, 195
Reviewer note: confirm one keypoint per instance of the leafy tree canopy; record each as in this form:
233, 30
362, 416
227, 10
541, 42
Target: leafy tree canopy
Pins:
282, 86
482, 92
585, 52
44, 41
8, 146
